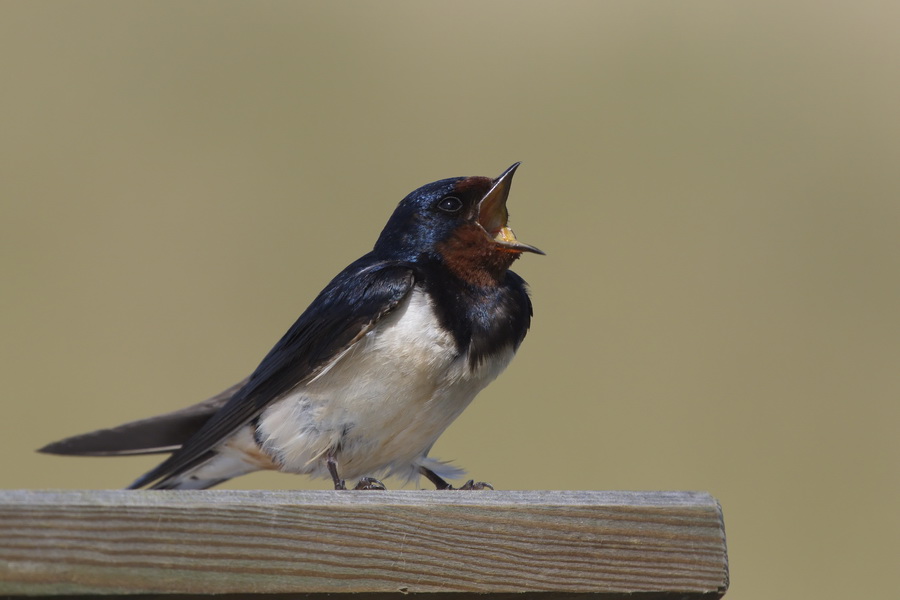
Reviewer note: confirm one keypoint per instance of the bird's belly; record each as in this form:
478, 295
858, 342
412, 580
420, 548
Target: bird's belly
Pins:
380, 407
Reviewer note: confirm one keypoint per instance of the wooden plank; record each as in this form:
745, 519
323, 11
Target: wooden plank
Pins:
656, 544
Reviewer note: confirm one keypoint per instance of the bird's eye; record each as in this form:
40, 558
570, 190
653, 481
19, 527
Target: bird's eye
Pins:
450, 204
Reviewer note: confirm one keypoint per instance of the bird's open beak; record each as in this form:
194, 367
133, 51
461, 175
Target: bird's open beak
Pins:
493, 215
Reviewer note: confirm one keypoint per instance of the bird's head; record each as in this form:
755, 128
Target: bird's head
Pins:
461, 222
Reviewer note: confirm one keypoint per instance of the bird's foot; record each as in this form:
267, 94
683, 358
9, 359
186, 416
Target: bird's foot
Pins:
442, 484
473, 485
366, 483
369, 483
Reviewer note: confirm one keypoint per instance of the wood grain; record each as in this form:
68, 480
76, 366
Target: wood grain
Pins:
658, 544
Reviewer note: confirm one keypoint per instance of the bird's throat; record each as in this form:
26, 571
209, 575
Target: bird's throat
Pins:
474, 258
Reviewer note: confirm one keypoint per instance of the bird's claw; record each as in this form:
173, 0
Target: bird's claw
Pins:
369, 483
366, 483
442, 484
473, 485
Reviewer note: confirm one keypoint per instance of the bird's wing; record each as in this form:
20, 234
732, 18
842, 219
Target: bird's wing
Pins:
342, 314
162, 433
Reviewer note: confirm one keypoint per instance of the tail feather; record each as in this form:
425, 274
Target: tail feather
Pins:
211, 469
187, 483
155, 435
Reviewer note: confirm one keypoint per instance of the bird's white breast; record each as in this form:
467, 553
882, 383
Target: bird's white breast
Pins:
383, 403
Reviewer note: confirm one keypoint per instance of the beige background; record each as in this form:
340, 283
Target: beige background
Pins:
716, 186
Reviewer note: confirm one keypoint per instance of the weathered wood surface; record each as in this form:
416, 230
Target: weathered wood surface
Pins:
656, 544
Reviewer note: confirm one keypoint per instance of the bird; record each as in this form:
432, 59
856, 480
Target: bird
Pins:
382, 361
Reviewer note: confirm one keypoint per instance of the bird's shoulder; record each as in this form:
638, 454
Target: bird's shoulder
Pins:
349, 306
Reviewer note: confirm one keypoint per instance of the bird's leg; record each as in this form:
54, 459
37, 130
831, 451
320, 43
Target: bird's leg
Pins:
366, 483
441, 484
331, 463
436, 479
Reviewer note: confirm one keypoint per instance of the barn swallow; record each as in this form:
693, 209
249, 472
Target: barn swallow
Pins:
378, 366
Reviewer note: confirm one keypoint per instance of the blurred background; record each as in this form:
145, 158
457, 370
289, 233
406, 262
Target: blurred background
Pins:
716, 186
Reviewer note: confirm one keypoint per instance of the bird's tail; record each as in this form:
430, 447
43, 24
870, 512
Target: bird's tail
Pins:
155, 435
